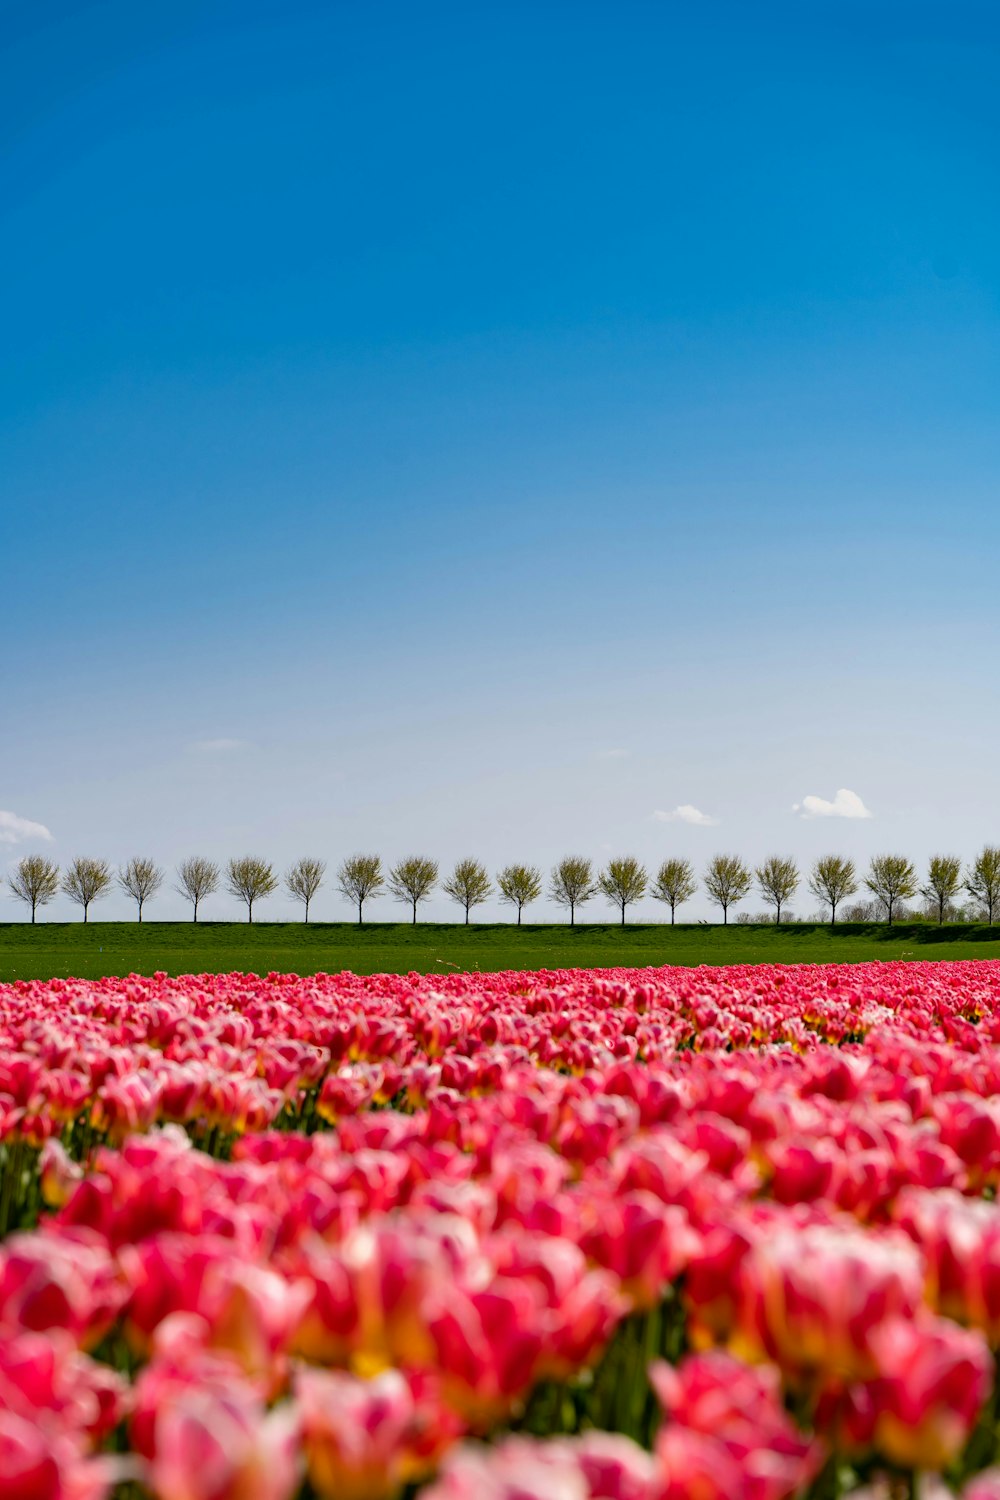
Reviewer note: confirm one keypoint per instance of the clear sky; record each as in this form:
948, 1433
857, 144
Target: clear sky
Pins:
476, 428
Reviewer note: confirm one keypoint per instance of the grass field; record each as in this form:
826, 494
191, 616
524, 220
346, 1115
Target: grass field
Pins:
87, 952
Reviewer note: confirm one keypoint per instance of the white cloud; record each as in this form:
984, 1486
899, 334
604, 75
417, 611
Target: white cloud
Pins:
685, 813
845, 804
14, 830
613, 754
218, 747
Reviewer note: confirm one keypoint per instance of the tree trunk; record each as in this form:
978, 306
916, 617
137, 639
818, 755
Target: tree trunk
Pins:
518, 916
33, 913
307, 908
572, 913
725, 916
466, 916
249, 911
623, 913
360, 904
140, 911
414, 913
85, 912
671, 914
195, 917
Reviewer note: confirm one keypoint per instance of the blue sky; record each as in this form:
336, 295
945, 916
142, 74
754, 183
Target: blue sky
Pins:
476, 428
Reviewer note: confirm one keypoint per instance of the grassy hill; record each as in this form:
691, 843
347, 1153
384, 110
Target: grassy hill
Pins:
98, 948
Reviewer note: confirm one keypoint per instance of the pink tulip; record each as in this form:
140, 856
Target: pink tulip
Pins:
598, 1466
615, 1468
739, 1411
251, 1313
365, 1440
59, 1175
211, 1446
28, 1470
985, 1486
488, 1347
960, 1239
59, 1281
812, 1299
933, 1378
693, 1466
36, 1464
582, 1306
643, 1241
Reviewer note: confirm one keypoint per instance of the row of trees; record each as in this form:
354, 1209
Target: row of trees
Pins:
891, 878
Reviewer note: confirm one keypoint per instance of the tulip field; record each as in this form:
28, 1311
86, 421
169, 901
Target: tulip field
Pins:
650, 1234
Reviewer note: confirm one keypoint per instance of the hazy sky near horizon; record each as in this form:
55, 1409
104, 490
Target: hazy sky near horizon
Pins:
481, 428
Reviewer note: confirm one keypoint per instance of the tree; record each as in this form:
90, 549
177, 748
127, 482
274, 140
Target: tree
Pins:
35, 880
359, 877
412, 879
623, 882
304, 879
87, 880
250, 879
197, 878
519, 885
833, 878
727, 881
891, 878
674, 884
983, 880
140, 879
469, 884
777, 881
572, 883
944, 875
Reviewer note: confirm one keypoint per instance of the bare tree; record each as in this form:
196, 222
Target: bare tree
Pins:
140, 879
983, 880
891, 878
674, 884
87, 880
519, 885
304, 879
250, 879
623, 882
727, 880
469, 884
412, 879
832, 880
777, 881
197, 878
34, 880
944, 876
861, 911
359, 877
572, 883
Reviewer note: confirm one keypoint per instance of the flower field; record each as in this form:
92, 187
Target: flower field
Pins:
655, 1234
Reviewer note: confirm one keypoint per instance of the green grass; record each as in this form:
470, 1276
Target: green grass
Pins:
87, 952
